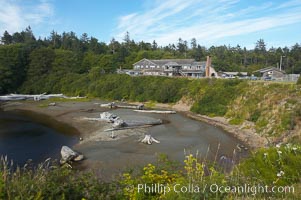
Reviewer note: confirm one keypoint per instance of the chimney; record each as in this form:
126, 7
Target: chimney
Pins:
208, 65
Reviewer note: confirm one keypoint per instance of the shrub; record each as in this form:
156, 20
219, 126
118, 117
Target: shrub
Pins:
255, 115
236, 121
217, 97
49, 181
273, 166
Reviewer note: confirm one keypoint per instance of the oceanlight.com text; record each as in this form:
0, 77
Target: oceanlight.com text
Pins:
213, 188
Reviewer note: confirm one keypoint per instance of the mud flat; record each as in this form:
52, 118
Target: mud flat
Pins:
179, 135
245, 135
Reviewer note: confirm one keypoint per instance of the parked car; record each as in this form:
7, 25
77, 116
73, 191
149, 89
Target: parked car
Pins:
253, 78
268, 78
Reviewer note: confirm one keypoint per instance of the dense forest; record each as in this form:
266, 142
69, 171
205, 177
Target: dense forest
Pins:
29, 64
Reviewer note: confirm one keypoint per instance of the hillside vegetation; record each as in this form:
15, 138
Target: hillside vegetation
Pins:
272, 109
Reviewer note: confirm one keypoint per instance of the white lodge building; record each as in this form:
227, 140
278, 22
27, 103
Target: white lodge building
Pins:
170, 67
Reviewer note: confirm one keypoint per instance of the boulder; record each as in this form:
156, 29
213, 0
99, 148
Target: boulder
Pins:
79, 157
140, 107
69, 155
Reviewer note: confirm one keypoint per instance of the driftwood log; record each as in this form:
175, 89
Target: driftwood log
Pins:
148, 139
77, 97
114, 105
105, 116
135, 124
109, 105
139, 107
36, 97
93, 119
127, 127
157, 111
113, 136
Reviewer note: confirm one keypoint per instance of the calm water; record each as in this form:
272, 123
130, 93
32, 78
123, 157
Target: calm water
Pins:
27, 135
179, 135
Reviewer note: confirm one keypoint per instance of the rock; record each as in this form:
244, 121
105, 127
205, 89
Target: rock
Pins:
69, 155
140, 107
226, 163
52, 104
79, 157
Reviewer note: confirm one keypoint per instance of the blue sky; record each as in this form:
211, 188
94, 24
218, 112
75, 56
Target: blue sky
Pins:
211, 22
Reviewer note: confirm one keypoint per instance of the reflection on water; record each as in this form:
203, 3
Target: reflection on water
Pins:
27, 135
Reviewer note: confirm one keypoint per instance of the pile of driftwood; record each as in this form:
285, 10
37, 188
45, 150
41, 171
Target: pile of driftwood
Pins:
120, 124
35, 97
110, 118
157, 111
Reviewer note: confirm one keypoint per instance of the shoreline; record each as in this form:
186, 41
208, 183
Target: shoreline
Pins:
71, 113
246, 136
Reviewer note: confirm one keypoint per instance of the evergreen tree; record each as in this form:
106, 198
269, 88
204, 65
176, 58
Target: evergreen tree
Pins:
28, 35
193, 43
260, 46
18, 38
154, 45
6, 38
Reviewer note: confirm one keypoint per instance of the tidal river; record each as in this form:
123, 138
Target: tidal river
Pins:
28, 135
180, 135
